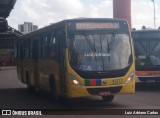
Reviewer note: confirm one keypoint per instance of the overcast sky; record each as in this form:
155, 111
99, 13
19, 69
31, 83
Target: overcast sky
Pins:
44, 12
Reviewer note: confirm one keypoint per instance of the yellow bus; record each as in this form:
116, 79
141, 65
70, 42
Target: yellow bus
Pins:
78, 57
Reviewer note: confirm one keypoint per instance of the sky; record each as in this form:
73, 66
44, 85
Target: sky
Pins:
44, 12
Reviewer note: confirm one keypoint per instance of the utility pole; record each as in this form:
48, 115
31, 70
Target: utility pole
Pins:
154, 14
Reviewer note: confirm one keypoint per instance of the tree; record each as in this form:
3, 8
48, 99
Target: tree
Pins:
133, 29
144, 27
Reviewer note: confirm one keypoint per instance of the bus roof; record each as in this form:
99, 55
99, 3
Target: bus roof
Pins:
146, 31
146, 34
63, 22
94, 19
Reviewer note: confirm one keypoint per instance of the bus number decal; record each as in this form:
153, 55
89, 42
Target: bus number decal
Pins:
117, 81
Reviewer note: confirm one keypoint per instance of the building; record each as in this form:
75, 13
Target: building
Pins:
8, 35
27, 27
8, 46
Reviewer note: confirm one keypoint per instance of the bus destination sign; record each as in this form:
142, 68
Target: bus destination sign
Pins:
80, 26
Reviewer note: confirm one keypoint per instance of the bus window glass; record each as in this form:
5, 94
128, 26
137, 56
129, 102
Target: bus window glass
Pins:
99, 51
147, 52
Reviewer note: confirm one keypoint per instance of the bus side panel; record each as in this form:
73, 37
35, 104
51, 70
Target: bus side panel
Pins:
49, 67
29, 65
20, 71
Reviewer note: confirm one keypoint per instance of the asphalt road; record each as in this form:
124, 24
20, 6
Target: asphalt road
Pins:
14, 95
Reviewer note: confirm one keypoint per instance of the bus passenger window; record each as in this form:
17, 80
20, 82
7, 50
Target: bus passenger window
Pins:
53, 40
52, 47
52, 52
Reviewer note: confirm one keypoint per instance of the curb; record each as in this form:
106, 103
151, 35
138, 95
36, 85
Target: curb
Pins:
7, 68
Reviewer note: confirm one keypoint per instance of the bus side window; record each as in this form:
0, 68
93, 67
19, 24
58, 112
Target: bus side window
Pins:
31, 48
35, 49
60, 43
43, 46
52, 46
20, 52
48, 45
25, 48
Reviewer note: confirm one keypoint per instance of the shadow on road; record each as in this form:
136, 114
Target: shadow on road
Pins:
20, 98
79, 103
153, 86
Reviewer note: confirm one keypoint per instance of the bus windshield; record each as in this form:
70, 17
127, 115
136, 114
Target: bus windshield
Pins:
99, 50
147, 52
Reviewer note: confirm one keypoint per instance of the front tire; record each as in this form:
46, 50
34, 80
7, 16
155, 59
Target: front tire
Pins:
108, 98
30, 88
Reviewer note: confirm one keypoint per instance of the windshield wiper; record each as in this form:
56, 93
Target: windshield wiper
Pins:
91, 45
89, 42
154, 47
101, 51
147, 50
110, 44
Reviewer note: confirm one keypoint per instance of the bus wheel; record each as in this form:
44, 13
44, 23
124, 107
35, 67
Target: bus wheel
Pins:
108, 98
30, 88
53, 88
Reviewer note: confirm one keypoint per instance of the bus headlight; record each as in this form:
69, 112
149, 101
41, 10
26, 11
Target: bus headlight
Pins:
75, 82
130, 78
74, 79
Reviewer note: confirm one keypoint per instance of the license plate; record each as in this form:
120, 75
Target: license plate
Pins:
105, 93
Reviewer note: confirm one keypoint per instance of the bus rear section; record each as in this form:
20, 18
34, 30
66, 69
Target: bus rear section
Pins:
147, 48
